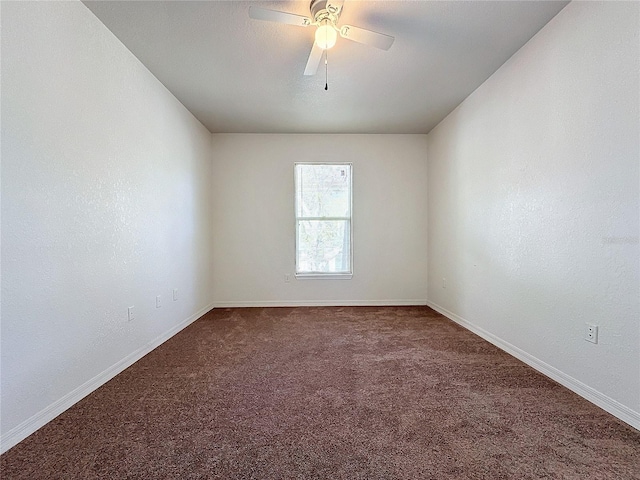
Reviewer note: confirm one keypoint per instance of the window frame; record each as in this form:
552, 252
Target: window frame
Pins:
323, 275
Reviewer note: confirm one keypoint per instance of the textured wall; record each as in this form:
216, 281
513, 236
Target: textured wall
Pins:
533, 201
105, 204
255, 228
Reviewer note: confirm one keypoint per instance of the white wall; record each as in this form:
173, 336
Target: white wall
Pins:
105, 204
534, 205
254, 224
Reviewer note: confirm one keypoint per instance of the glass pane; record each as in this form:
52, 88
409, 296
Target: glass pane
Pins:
323, 190
324, 246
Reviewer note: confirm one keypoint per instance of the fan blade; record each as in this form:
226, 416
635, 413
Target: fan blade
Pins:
314, 60
258, 13
361, 35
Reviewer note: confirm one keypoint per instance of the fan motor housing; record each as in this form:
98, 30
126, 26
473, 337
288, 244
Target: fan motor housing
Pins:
323, 10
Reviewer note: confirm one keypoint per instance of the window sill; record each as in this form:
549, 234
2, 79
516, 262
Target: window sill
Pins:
324, 276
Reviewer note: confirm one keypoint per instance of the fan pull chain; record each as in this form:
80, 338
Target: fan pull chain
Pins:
326, 71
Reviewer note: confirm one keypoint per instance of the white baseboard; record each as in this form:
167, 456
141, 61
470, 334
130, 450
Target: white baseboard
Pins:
608, 404
319, 303
44, 416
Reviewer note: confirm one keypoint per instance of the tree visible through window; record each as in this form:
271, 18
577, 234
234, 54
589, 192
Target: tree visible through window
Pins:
323, 218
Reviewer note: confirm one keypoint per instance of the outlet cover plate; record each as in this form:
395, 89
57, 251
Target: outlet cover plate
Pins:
591, 333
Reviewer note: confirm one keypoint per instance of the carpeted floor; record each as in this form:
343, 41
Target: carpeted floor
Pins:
329, 393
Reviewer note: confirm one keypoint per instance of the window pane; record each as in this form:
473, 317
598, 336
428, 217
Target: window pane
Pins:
324, 246
323, 190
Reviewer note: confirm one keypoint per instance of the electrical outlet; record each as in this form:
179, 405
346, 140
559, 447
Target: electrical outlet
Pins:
287, 278
591, 333
130, 314
175, 294
158, 301
444, 282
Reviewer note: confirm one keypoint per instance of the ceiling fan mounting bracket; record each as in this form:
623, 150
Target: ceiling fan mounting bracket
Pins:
323, 10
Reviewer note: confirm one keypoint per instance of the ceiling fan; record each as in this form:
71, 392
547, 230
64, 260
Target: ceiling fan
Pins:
324, 15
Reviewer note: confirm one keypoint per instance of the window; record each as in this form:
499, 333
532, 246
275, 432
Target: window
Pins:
323, 220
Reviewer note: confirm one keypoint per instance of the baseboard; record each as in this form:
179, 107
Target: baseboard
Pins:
319, 303
608, 404
44, 416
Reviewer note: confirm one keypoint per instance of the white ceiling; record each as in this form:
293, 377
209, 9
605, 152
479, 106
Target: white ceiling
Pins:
245, 76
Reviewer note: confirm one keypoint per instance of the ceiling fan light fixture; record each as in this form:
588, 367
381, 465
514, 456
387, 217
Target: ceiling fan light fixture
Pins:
326, 35
325, 15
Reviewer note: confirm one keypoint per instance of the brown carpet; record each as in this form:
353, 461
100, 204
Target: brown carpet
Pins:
329, 393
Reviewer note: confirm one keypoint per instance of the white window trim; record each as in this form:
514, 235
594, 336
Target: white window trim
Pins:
324, 276
321, 275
